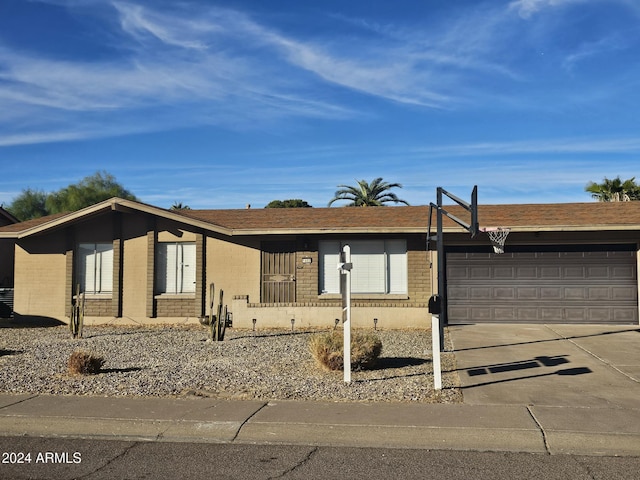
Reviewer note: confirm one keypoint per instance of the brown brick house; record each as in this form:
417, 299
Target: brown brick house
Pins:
138, 263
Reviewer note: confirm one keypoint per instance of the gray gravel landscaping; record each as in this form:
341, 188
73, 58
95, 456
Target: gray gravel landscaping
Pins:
179, 361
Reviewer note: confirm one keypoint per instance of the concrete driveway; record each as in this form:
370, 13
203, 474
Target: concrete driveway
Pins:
595, 366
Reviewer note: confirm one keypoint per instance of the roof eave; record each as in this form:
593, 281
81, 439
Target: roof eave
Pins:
121, 205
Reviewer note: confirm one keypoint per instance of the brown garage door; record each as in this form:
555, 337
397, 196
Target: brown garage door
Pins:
548, 287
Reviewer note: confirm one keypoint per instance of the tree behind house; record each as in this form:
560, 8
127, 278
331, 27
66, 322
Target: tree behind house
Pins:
290, 203
374, 194
88, 191
615, 190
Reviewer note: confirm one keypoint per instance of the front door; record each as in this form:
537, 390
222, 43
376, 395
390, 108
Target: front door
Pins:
278, 272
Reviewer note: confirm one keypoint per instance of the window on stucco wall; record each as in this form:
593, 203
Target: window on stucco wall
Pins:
176, 267
95, 267
379, 266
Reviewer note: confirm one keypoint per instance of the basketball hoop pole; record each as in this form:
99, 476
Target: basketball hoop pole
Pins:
472, 228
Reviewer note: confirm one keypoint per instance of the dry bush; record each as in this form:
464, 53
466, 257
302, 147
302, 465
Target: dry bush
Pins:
327, 349
84, 363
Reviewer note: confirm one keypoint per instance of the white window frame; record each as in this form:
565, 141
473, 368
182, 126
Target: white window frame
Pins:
95, 268
176, 268
379, 266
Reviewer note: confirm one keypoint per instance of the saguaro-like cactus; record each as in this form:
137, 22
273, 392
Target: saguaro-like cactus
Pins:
217, 321
77, 314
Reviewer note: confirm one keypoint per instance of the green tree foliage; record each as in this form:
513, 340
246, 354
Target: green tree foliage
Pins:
88, 191
615, 190
291, 203
374, 194
29, 204
179, 206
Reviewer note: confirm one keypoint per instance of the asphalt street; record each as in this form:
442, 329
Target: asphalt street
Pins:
66, 459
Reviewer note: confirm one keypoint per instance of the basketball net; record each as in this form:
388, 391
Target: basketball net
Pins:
498, 237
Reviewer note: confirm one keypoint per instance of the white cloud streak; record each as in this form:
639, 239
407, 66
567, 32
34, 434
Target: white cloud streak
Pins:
185, 65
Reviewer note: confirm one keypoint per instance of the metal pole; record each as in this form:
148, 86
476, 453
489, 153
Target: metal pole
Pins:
346, 312
435, 342
441, 284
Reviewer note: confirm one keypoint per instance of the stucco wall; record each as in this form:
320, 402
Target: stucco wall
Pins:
232, 267
134, 272
40, 276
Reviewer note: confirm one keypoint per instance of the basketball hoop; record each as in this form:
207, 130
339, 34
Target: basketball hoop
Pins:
498, 236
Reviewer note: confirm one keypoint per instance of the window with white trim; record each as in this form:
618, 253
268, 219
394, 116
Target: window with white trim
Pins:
379, 266
176, 267
95, 267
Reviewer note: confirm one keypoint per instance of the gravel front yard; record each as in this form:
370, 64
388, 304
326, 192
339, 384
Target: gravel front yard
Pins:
179, 361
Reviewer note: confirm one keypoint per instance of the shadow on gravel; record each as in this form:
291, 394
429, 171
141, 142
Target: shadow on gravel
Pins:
398, 362
271, 334
31, 321
120, 370
10, 352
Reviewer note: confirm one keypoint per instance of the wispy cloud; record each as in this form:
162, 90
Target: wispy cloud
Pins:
182, 65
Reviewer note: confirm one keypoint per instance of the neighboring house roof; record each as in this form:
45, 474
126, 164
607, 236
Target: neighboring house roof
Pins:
6, 218
264, 221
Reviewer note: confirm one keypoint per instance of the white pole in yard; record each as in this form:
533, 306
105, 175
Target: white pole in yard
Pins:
435, 338
345, 266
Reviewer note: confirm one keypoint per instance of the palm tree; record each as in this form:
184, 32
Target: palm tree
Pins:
374, 194
614, 190
179, 206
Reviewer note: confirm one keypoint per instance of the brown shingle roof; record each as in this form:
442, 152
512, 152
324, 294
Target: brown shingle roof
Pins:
523, 217
516, 216
34, 222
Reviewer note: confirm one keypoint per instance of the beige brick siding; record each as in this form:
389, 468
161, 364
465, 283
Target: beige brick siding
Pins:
175, 307
98, 307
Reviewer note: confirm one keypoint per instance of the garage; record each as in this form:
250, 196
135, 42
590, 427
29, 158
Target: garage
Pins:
560, 284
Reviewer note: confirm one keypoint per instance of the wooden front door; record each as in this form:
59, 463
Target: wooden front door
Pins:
278, 272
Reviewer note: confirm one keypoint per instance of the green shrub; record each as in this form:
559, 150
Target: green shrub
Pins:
327, 349
84, 363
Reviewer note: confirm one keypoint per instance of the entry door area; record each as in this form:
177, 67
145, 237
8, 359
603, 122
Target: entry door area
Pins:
546, 287
278, 272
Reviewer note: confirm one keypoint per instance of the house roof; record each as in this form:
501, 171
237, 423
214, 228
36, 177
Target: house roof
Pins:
518, 217
6, 218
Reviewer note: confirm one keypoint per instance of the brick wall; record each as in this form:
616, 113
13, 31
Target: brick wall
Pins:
98, 307
307, 273
175, 307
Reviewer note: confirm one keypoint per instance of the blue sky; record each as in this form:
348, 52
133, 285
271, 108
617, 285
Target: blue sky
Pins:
217, 104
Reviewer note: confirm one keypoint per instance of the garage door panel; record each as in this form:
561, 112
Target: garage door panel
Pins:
625, 315
579, 287
551, 293
505, 314
528, 293
599, 293
480, 273
575, 293
527, 314
548, 314
530, 273
458, 293
550, 272
504, 273
480, 293
600, 272
575, 315
624, 271
622, 293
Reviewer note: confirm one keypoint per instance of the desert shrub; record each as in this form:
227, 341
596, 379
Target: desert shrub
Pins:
84, 363
327, 349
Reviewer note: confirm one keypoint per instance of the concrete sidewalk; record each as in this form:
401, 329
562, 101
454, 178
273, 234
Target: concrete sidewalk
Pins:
517, 398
